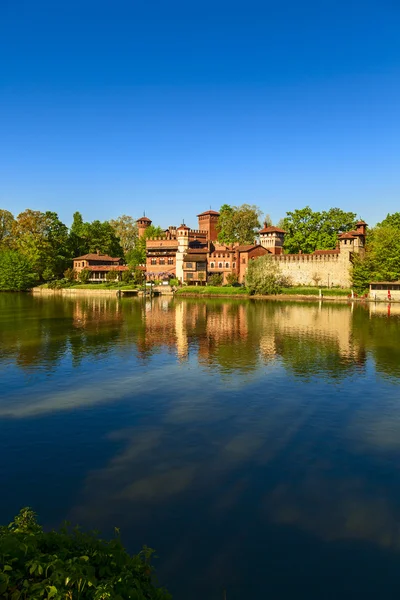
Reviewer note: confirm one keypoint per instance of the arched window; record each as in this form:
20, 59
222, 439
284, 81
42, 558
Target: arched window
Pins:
234, 265
219, 265
227, 265
212, 265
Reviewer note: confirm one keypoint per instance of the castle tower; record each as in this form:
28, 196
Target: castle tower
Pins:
182, 236
208, 221
272, 238
143, 223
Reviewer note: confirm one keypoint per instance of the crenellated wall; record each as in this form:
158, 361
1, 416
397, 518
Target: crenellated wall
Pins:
330, 269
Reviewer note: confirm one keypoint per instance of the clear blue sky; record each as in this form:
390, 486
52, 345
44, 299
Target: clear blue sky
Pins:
172, 107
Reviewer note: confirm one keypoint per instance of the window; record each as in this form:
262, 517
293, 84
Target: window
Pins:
227, 265
219, 265
243, 261
233, 265
189, 275
162, 261
212, 265
201, 266
170, 261
189, 265
153, 261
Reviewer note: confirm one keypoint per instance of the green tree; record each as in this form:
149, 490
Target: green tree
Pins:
6, 228
137, 256
43, 239
391, 220
383, 252
263, 276
70, 564
231, 278
362, 273
112, 276
16, 272
126, 230
84, 275
238, 224
307, 230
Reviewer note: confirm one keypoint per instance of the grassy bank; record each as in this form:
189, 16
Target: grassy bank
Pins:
314, 291
209, 290
94, 286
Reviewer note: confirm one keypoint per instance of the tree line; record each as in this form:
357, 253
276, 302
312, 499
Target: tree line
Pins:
36, 247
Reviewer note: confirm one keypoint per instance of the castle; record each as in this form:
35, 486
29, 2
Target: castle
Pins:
193, 255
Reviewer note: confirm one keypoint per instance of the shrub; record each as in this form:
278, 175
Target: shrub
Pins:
16, 272
84, 275
127, 276
70, 564
112, 276
174, 281
232, 278
263, 276
215, 279
70, 275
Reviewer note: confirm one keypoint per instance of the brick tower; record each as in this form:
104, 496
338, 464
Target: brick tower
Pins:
208, 222
143, 223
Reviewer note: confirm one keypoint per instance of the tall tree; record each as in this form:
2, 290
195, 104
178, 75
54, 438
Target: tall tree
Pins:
307, 230
238, 223
97, 236
126, 230
43, 239
16, 273
391, 220
6, 228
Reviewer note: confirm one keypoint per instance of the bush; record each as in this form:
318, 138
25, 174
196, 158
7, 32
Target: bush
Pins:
112, 276
174, 282
70, 275
84, 275
69, 564
232, 279
16, 272
263, 276
215, 279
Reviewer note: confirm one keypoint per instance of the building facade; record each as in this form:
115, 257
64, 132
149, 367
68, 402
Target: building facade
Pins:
99, 265
193, 255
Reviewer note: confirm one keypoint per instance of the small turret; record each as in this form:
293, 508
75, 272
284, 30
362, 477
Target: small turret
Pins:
143, 223
272, 238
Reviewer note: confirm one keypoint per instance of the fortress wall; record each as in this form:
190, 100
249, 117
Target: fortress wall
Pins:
303, 269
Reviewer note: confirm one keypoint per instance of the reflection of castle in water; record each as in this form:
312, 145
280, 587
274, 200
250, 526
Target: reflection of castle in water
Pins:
244, 335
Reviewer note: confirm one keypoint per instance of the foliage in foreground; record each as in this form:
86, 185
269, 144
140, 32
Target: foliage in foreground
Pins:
15, 272
263, 276
70, 565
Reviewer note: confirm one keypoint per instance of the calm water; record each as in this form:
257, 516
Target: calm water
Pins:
255, 445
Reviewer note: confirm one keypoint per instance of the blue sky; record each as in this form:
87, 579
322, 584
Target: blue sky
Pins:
171, 107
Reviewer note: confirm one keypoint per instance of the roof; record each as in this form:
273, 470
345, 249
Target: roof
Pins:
183, 226
194, 258
272, 229
144, 218
208, 212
198, 250
347, 235
108, 268
361, 223
247, 247
96, 256
384, 282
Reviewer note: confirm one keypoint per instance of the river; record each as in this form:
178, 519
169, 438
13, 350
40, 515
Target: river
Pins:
255, 445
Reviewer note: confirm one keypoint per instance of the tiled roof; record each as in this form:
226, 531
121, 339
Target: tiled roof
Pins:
245, 247
108, 268
272, 230
347, 235
361, 223
183, 226
146, 219
97, 257
208, 212
194, 258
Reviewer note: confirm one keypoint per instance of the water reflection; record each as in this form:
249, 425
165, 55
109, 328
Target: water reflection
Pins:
244, 440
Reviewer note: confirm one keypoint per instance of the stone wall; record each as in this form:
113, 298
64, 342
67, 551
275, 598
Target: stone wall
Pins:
316, 269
